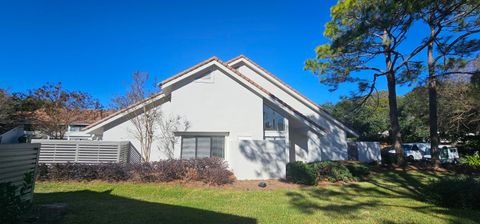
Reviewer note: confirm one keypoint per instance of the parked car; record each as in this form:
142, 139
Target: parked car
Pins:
448, 154
410, 151
424, 150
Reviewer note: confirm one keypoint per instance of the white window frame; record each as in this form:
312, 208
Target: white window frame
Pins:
196, 145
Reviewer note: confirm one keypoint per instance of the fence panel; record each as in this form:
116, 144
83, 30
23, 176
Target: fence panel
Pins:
64, 151
16, 160
368, 151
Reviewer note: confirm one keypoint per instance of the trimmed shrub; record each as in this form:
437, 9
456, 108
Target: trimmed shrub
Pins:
358, 170
456, 191
208, 170
301, 173
113, 172
332, 171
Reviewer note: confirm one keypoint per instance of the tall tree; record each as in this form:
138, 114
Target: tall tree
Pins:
414, 115
7, 111
460, 110
370, 120
58, 108
451, 25
362, 34
143, 115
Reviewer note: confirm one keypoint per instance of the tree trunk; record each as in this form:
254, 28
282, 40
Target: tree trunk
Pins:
395, 133
432, 102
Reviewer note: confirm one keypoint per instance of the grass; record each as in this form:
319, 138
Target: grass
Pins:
390, 197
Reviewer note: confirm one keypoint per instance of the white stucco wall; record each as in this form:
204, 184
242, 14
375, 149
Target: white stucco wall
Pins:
331, 146
221, 104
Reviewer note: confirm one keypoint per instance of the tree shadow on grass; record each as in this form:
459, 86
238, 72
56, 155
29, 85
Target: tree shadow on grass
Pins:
392, 189
103, 207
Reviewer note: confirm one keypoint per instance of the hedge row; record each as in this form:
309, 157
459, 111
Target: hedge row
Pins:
208, 170
333, 171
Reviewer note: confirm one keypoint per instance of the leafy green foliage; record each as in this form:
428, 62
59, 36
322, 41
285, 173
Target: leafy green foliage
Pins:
12, 205
456, 191
301, 173
472, 160
414, 115
359, 170
369, 120
332, 171
458, 113
360, 32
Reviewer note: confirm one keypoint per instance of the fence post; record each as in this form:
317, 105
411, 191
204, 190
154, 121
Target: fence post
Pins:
119, 149
76, 152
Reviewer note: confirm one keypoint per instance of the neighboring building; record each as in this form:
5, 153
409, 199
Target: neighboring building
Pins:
29, 128
238, 111
74, 129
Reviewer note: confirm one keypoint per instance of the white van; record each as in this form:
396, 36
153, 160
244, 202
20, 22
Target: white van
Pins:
448, 154
424, 150
410, 151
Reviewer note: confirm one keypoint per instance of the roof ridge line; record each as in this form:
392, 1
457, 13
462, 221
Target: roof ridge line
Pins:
287, 86
178, 75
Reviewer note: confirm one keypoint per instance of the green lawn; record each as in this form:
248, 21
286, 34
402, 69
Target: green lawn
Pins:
391, 197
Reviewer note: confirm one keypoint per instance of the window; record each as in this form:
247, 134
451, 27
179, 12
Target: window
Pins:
275, 138
202, 147
76, 128
272, 120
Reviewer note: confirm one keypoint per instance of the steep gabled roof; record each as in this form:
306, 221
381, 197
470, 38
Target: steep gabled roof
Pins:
180, 74
123, 112
287, 88
261, 89
236, 59
228, 67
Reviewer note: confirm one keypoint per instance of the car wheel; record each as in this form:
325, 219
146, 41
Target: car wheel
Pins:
410, 158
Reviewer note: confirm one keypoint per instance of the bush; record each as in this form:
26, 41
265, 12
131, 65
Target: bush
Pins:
456, 191
332, 171
12, 205
472, 161
359, 170
208, 170
301, 173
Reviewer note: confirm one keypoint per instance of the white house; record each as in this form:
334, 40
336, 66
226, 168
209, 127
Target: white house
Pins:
239, 111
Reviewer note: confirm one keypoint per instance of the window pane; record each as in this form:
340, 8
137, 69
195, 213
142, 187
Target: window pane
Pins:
188, 148
272, 121
280, 123
218, 146
203, 147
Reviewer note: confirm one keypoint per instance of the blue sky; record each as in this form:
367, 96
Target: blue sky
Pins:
95, 46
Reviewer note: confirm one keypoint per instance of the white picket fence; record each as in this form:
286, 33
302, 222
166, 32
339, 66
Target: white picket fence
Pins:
16, 160
91, 152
